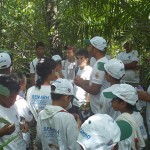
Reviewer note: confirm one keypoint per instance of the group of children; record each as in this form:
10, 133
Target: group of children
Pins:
54, 102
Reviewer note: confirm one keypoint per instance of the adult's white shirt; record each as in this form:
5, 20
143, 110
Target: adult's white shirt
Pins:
37, 99
139, 120
33, 64
69, 68
57, 129
131, 76
98, 77
106, 104
78, 91
148, 112
11, 115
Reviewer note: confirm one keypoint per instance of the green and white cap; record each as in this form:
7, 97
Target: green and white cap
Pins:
56, 58
115, 68
62, 86
100, 131
125, 92
99, 43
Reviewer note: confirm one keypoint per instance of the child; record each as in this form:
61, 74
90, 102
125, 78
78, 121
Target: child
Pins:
56, 128
114, 72
38, 96
10, 127
84, 72
124, 98
101, 132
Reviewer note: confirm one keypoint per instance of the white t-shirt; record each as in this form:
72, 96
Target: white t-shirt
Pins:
33, 67
98, 77
69, 68
131, 76
23, 109
11, 115
57, 129
37, 99
78, 91
106, 105
148, 112
139, 120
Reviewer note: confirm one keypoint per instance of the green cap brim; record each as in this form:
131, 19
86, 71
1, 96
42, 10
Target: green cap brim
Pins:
4, 91
125, 128
87, 42
109, 95
100, 66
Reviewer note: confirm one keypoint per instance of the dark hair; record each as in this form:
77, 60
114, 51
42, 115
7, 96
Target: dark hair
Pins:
128, 106
10, 82
55, 96
19, 76
38, 44
43, 69
83, 52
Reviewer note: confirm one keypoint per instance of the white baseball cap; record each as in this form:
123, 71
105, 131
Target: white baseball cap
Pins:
101, 132
63, 86
99, 43
125, 92
56, 58
5, 60
115, 68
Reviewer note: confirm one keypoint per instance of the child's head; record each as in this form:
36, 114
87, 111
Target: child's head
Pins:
21, 78
114, 70
82, 58
58, 60
45, 71
62, 92
9, 88
100, 131
124, 97
5, 63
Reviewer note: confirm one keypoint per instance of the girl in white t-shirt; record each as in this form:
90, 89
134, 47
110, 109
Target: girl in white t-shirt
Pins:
38, 96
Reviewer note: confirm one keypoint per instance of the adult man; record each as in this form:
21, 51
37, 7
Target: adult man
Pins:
5, 63
130, 58
97, 79
69, 65
40, 54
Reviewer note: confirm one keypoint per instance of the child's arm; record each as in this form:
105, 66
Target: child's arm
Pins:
7, 130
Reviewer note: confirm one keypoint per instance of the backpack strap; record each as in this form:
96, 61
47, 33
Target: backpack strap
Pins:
33, 66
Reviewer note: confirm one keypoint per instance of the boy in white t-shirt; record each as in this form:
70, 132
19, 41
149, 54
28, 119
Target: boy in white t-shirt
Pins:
114, 72
84, 72
97, 81
124, 98
56, 128
9, 123
40, 54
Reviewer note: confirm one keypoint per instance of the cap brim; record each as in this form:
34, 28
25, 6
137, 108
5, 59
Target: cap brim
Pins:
4, 91
109, 95
125, 128
87, 42
100, 66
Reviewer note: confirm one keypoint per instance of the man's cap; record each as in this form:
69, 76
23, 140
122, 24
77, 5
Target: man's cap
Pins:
56, 58
115, 68
100, 131
5, 60
125, 92
4, 91
99, 43
62, 86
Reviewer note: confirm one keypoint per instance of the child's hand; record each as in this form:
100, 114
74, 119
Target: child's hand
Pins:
7, 129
